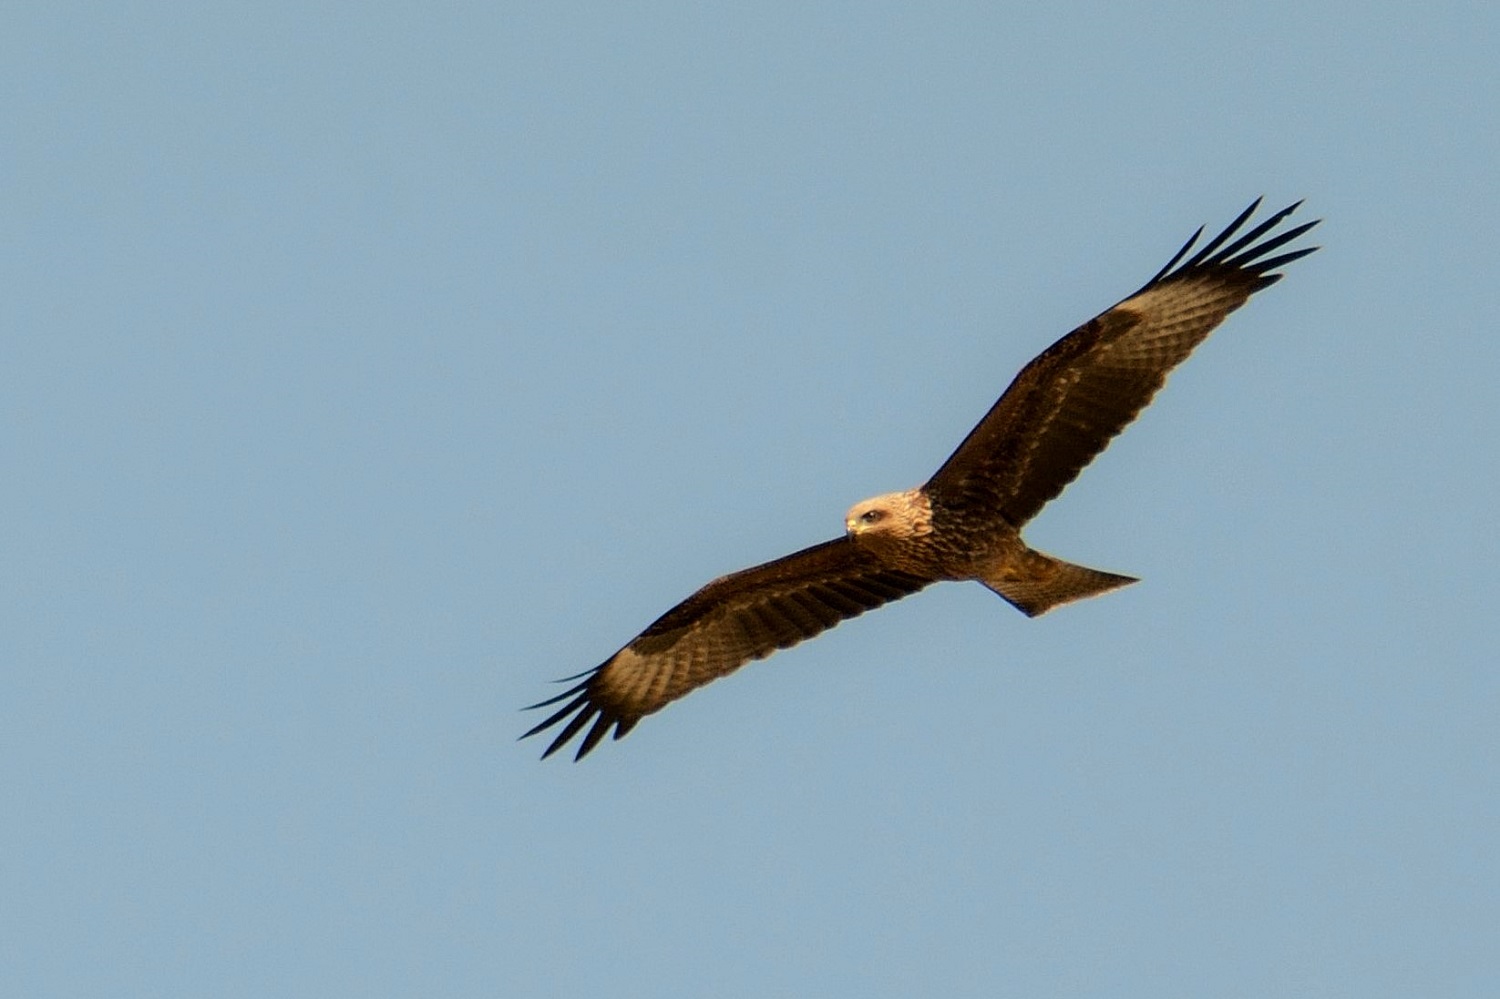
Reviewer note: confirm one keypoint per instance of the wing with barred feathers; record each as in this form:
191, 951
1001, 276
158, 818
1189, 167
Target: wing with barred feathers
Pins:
736, 618
1067, 404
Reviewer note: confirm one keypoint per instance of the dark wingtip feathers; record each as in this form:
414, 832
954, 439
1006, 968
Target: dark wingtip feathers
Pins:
1244, 253
587, 709
1176, 257
1229, 230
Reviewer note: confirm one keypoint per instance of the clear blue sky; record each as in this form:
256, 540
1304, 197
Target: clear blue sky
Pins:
365, 367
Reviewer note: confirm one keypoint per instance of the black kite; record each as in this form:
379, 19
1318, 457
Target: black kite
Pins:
965, 523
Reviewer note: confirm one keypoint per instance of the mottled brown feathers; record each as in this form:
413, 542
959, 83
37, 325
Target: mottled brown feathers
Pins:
1067, 404
1059, 412
736, 618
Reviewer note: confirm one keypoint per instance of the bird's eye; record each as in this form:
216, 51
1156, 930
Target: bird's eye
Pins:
870, 516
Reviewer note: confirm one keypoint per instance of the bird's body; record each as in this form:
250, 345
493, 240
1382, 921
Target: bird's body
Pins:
965, 522
898, 529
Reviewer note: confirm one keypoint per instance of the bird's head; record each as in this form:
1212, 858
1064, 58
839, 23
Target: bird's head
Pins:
867, 515
900, 515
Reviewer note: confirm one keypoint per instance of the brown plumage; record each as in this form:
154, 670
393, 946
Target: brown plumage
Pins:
1059, 412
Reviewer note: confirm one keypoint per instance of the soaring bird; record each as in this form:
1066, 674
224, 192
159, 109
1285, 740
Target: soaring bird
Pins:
965, 522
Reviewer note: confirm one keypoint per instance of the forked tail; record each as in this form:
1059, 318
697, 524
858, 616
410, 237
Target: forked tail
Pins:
1042, 582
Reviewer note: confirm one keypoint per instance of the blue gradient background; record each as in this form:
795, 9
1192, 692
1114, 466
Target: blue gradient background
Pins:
363, 367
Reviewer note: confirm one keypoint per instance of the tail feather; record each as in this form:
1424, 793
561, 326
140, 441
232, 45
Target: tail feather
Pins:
1043, 582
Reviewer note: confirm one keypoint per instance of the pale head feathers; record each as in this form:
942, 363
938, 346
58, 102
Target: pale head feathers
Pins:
894, 515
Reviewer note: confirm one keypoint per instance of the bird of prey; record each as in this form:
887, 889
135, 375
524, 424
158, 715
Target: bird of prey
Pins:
965, 522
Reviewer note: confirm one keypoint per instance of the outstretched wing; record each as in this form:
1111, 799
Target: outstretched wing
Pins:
736, 618
1067, 404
